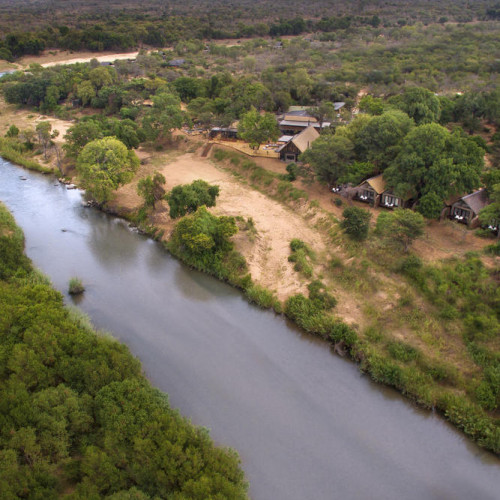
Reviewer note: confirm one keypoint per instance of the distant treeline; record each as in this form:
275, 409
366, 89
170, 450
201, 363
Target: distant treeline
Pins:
27, 33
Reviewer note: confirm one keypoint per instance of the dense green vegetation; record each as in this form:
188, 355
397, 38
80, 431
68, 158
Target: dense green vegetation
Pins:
187, 198
78, 419
103, 165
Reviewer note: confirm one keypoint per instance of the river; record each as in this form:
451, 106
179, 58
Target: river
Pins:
306, 423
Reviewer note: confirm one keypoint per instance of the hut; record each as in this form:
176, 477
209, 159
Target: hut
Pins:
467, 208
299, 143
226, 133
390, 200
371, 190
293, 123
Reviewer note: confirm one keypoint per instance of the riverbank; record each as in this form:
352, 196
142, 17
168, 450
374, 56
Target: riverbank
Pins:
402, 338
70, 431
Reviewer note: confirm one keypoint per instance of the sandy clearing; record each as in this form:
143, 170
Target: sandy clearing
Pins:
23, 118
267, 255
53, 58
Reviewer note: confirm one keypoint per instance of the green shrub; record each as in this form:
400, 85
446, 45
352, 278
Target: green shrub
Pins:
356, 223
319, 294
402, 352
187, 198
76, 286
263, 298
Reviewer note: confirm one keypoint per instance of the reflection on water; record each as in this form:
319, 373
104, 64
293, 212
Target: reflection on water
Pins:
306, 423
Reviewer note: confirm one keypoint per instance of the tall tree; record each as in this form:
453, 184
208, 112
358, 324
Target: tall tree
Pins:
420, 104
103, 165
256, 128
433, 160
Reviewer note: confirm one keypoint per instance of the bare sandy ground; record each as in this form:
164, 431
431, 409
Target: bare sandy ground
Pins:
267, 255
53, 58
23, 118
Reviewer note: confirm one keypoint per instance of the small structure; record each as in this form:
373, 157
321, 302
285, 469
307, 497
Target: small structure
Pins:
293, 123
370, 191
466, 209
299, 143
390, 200
226, 133
177, 63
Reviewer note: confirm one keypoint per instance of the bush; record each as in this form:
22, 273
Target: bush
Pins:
263, 298
76, 286
187, 198
303, 257
356, 223
402, 352
319, 294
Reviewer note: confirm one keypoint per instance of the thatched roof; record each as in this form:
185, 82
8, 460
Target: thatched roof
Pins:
377, 183
476, 201
304, 140
300, 118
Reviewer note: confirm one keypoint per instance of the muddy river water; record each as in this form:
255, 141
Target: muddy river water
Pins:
306, 423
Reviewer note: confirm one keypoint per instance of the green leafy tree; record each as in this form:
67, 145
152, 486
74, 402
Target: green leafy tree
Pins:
257, 129
433, 160
164, 116
100, 77
81, 134
12, 132
86, 92
356, 222
187, 198
379, 141
103, 165
43, 130
151, 189
400, 227
329, 156
371, 105
420, 104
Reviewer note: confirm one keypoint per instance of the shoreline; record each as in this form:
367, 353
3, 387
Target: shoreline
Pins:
461, 414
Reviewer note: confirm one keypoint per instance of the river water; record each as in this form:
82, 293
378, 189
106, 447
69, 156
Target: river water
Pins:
305, 422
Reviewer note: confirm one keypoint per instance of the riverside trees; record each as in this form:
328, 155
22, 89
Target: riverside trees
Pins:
103, 165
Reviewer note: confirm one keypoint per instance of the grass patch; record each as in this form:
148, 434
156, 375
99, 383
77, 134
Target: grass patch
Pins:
302, 256
14, 152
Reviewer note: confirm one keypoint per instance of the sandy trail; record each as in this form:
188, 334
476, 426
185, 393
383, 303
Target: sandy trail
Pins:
49, 59
267, 255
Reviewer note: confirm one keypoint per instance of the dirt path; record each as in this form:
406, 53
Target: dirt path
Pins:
53, 58
267, 253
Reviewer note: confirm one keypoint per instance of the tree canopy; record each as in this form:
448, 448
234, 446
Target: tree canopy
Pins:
433, 160
256, 128
103, 165
187, 198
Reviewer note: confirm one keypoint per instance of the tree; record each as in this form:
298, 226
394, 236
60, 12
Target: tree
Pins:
356, 222
256, 128
81, 134
420, 104
86, 92
12, 132
164, 116
379, 141
188, 197
43, 132
151, 189
103, 165
433, 160
325, 111
329, 156
401, 227
371, 105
